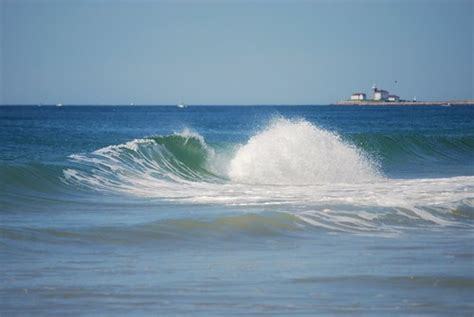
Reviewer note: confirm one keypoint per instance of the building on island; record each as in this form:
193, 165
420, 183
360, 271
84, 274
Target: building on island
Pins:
380, 94
358, 96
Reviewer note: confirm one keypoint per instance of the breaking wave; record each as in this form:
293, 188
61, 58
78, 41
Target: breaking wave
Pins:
291, 167
285, 153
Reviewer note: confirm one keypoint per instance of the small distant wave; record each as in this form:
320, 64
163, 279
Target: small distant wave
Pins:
416, 147
359, 220
247, 224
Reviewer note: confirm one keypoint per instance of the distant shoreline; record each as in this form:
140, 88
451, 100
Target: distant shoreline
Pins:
404, 103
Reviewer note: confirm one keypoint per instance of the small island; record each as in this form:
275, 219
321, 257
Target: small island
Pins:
382, 97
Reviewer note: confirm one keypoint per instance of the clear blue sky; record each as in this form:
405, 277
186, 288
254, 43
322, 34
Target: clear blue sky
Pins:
233, 52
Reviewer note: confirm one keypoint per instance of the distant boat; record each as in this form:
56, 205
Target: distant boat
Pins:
59, 105
181, 105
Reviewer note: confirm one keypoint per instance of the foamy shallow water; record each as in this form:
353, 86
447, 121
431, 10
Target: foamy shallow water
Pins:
201, 211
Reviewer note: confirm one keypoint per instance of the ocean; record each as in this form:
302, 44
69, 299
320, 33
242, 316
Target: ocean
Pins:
236, 210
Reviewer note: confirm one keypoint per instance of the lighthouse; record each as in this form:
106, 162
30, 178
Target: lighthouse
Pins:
379, 94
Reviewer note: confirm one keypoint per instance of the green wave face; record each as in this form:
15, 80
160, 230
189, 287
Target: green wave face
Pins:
190, 151
172, 158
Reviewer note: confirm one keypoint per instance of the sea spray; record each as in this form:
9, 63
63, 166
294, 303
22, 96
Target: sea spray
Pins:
298, 152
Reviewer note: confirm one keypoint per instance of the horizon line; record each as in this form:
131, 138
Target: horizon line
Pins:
161, 105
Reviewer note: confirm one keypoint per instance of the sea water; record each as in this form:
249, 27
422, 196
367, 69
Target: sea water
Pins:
288, 210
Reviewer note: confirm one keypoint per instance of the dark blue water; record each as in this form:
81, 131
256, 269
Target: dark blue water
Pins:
237, 210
